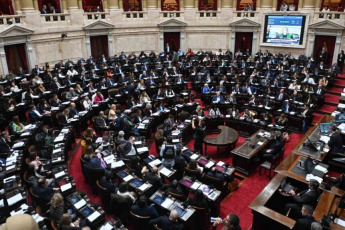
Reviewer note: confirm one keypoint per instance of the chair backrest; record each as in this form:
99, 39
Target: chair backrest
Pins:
156, 227
139, 222
53, 225
202, 218
190, 172
105, 196
178, 196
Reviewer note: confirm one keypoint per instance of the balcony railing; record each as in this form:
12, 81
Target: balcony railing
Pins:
12, 19
96, 15
329, 15
54, 17
208, 14
170, 14
246, 14
135, 14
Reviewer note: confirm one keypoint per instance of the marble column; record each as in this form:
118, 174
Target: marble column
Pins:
266, 3
113, 4
27, 5
105, 4
188, 3
143, 4
234, 4
196, 4
3, 59
72, 5
309, 4
80, 4
17, 6
151, 4
227, 3
63, 5
36, 5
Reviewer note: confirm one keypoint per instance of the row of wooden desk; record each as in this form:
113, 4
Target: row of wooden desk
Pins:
265, 207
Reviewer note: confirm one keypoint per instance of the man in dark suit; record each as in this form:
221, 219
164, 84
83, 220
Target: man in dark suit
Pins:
43, 192
276, 146
167, 49
215, 174
153, 177
173, 188
34, 113
55, 101
100, 121
93, 162
73, 110
179, 79
63, 118
110, 82
221, 88
107, 182
142, 209
168, 223
217, 98
308, 196
5, 142
307, 114
55, 85
335, 143
288, 107
281, 95
307, 219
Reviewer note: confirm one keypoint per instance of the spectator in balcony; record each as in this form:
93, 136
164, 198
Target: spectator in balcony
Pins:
98, 9
52, 10
44, 10
284, 7
249, 7
292, 7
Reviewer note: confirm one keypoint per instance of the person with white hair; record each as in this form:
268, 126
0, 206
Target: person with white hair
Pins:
170, 223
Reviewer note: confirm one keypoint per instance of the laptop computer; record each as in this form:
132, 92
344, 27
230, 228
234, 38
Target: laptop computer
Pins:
340, 118
325, 127
285, 186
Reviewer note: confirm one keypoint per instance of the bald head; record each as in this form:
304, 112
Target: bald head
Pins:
173, 215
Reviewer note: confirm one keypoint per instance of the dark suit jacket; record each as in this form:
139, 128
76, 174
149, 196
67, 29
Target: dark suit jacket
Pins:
336, 143
165, 223
145, 211
44, 194
99, 122
62, 120
4, 147
153, 179
309, 117
304, 223
54, 86
305, 197
33, 115
111, 186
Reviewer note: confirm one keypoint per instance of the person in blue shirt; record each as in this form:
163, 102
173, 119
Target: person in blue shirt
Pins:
206, 89
218, 98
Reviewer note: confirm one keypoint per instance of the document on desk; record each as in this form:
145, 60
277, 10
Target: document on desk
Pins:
109, 159
94, 216
37, 218
10, 167
143, 187
128, 178
312, 177
167, 203
14, 199
325, 138
194, 156
80, 204
320, 168
60, 174
141, 126
155, 162
107, 227
339, 221
220, 163
209, 164
65, 187
59, 138
195, 185
57, 150
138, 142
260, 143
18, 144
142, 149
117, 164
166, 172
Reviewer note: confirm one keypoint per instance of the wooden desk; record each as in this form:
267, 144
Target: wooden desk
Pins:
312, 134
326, 206
243, 154
264, 217
225, 139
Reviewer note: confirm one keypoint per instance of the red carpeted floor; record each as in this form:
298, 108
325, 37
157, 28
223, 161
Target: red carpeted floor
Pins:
331, 98
336, 90
339, 82
328, 108
237, 202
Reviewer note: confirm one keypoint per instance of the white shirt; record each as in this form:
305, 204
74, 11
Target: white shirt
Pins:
72, 73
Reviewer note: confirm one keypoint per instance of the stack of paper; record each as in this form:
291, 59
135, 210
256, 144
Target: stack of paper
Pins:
312, 177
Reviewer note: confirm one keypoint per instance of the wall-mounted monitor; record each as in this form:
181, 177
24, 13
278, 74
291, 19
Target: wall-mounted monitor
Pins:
284, 30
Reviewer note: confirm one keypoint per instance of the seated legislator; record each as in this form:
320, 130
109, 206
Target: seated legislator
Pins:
306, 220
231, 222
143, 209
44, 192
168, 223
335, 143
198, 200
5, 142
338, 182
198, 112
107, 182
152, 176
206, 89
308, 196
218, 98
276, 146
